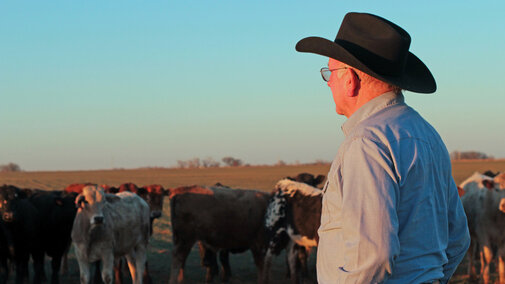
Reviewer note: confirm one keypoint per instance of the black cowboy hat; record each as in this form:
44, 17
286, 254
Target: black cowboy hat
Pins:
377, 47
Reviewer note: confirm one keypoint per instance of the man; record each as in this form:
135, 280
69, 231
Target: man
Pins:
391, 211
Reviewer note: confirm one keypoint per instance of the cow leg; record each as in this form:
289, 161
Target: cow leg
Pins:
501, 269
4, 270
38, 267
84, 271
292, 256
131, 259
136, 262
209, 261
302, 260
267, 264
471, 265
258, 256
118, 271
179, 255
97, 276
147, 276
488, 257
288, 270
482, 262
141, 263
55, 265
224, 258
64, 261
107, 267
21, 269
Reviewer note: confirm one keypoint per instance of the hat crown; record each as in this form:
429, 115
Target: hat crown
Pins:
375, 39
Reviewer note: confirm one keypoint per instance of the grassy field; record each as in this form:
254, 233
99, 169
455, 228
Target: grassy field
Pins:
262, 178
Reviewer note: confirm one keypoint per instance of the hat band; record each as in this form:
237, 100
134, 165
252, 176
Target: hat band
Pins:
377, 63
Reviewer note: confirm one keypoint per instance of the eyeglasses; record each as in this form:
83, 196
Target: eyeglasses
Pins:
326, 72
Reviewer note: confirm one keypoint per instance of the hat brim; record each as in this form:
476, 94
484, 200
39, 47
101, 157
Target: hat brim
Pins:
416, 77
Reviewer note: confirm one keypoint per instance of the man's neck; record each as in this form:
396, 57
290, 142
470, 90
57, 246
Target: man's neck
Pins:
364, 96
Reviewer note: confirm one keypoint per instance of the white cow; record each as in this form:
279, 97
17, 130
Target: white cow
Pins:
109, 226
484, 208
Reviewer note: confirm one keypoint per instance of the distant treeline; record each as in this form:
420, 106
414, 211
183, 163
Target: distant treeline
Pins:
10, 167
469, 155
230, 162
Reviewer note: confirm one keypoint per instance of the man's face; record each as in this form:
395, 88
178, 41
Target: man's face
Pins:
337, 85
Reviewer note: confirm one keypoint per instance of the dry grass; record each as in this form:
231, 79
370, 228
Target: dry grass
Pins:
262, 178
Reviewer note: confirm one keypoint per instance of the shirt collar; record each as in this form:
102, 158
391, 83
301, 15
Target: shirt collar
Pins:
374, 105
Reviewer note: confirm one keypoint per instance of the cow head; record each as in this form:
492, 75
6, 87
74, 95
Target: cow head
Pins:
9, 197
308, 179
110, 189
91, 203
154, 195
489, 184
131, 187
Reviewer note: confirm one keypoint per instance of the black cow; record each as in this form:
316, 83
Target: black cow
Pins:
23, 224
57, 212
291, 222
6, 252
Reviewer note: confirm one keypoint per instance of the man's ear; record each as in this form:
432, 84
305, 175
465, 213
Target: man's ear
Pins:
352, 83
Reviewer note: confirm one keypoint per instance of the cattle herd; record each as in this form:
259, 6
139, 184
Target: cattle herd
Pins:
110, 226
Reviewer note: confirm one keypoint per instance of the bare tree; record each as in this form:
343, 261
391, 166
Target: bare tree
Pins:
194, 163
210, 163
232, 162
182, 164
280, 163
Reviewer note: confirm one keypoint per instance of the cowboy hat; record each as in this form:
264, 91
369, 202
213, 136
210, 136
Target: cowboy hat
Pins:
377, 47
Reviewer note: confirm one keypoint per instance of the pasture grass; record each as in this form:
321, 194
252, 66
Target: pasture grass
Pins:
159, 257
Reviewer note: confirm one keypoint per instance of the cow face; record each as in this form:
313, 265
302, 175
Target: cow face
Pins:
154, 195
91, 203
9, 197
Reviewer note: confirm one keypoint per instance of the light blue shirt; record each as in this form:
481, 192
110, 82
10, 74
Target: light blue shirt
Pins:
391, 211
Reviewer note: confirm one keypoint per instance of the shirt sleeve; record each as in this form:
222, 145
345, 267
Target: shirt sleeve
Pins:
459, 237
370, 223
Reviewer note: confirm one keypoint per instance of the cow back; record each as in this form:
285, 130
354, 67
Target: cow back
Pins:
220, 217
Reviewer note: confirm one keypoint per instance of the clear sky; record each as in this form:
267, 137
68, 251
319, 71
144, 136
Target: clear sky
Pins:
108, 84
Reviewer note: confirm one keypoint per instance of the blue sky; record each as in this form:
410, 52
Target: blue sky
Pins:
107, 84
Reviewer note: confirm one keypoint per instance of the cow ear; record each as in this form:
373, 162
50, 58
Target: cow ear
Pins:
79, 201
319, 179
489, 184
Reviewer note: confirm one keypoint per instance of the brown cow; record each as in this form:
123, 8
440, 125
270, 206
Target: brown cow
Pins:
219, 217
